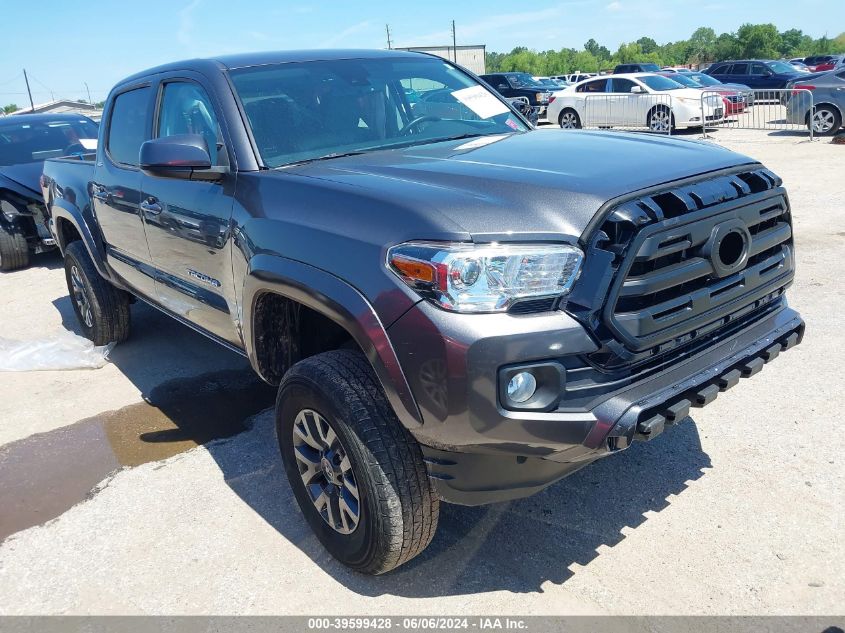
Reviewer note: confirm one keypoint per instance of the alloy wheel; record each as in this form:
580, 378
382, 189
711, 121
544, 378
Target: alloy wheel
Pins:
326, 471
569, 121
661, 121
823, 121
80, 298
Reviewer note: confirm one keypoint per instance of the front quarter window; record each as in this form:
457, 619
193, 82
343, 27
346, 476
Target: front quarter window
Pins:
306, 111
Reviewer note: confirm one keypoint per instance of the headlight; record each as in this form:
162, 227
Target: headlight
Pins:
485, 278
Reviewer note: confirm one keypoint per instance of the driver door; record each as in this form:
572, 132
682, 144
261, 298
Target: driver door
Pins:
188, 221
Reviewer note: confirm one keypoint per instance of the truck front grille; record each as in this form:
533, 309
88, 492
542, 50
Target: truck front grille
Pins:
690, 261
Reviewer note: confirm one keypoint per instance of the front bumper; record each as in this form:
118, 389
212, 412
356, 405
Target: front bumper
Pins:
478, 452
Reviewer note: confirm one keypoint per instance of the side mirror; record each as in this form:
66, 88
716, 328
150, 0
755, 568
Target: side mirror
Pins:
637, 90
182, 156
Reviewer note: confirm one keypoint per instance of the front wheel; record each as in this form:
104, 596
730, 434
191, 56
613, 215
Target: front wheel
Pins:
825, 121
569, 120
356, 472
661, 120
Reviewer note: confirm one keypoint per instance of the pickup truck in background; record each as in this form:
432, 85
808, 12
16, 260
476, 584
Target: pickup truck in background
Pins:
454, 306
26, 140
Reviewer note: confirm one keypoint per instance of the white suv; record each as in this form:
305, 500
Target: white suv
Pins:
633, 100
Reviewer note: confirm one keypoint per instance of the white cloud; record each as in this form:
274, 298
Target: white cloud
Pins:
344, 34
614, 6
186, 23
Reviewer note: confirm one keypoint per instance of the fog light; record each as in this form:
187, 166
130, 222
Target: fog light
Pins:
521, 387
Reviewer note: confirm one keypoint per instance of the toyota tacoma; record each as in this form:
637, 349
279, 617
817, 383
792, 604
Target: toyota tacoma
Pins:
455, 306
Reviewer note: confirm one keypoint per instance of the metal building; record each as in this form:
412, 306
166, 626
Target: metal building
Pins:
470, 57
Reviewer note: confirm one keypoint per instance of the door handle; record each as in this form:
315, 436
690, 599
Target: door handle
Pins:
101, 194
150, 206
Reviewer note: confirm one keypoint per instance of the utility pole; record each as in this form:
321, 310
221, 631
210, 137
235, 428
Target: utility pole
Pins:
28, 91
389, 43
454, 42
88, 91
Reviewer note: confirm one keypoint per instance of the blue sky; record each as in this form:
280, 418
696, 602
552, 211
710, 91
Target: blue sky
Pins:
65, 44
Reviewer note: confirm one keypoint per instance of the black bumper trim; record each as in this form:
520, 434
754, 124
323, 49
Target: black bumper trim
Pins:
654, 420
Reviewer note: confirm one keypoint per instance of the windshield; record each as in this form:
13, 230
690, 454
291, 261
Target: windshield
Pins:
33, 141
659, 83
523, 80
312, 110
705, 80
685, 80
781, 67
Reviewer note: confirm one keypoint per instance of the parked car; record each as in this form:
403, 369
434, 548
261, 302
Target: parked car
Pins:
635, 68
574, 78
513, 84
617, 101
552, 83
821, 63
798, 65
825, 111
733, 101
759, 74
711, 82
26, 140
456, 309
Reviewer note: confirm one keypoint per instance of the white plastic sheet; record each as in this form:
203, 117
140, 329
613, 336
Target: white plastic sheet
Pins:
62, 351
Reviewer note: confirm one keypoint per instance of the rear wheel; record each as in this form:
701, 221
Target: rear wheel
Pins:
14, 251
826, 120
102, 309
356, 472
661, 120
569, 119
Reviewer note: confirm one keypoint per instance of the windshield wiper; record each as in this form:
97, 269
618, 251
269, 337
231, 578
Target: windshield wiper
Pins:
304, 161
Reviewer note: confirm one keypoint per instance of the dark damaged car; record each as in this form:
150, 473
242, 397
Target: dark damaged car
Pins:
26, 141
454, 306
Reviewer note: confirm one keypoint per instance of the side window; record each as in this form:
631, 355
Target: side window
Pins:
186, 109
621, 85
841, 75
758, 69
739, 69
128, 125
720, 70
593, 86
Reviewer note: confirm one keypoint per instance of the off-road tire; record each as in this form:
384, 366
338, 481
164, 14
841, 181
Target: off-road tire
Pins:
14, 251
109, 306
398, 504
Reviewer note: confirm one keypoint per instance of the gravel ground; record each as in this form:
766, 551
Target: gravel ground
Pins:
736, 512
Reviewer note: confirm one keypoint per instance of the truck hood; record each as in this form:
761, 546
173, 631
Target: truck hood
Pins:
26, 175
536, 185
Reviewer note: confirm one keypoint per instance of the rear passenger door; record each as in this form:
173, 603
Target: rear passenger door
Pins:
188, 221
593, 104
116, 190
738, 73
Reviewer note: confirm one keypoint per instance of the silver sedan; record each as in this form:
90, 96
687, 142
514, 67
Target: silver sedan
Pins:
825, 110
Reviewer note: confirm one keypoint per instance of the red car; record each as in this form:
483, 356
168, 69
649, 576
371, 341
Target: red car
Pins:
734, 101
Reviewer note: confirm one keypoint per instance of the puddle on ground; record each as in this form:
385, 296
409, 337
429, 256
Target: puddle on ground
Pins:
44, 475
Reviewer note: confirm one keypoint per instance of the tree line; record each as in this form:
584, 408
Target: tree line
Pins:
750, 41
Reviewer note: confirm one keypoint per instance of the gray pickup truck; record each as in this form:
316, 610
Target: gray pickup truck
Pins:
455, 306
